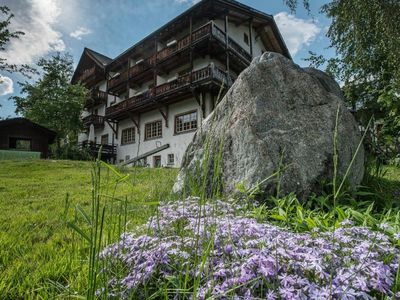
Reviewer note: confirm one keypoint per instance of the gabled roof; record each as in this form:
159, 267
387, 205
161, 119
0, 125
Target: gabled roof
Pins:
98, 57
90, 56
23, 121
229, 4
103, 61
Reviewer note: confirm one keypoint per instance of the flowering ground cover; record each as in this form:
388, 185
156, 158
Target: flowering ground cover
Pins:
41, 257
192, 249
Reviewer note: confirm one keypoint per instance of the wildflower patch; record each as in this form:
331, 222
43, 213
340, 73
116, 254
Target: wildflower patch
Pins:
212, 250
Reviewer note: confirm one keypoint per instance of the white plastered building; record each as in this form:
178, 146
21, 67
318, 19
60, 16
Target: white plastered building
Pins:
147, 103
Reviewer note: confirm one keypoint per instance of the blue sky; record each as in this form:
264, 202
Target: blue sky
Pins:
112, 26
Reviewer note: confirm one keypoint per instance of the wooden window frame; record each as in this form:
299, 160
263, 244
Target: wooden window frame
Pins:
169, 162
123, 143
146, 138
183, 114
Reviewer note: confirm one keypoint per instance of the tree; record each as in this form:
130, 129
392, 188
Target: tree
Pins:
366, 37
5, 37
52, 100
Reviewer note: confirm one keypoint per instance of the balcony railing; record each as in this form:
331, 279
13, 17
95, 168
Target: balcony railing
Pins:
207, 73
87, 73
96, 120
220, 35
96, 97
106, 150
197, 35
118, 79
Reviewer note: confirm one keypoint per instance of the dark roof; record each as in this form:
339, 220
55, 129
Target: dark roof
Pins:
105, 61
232, 3
23, 121
102, 59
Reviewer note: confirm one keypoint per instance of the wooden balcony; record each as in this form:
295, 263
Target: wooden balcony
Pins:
186, 81
87, 74
209, 30
96, 97
117, 80
97, 121
106, 151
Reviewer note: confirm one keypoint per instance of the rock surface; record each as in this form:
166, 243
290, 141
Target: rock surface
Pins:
276, 116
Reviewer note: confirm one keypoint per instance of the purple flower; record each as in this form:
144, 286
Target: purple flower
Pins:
384, 226
346, 222
228, 249
236, 257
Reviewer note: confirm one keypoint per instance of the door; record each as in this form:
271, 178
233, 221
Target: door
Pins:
157, 161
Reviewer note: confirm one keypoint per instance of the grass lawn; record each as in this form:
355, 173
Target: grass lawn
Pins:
40, 256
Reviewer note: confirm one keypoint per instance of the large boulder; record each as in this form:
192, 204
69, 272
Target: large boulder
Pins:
276, 116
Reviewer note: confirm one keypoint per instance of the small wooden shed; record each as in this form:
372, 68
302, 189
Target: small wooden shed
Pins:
20, 134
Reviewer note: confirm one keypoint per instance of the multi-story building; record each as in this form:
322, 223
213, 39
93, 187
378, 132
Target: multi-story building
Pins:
146, 103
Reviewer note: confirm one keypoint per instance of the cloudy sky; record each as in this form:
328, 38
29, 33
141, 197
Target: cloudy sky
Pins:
112, 26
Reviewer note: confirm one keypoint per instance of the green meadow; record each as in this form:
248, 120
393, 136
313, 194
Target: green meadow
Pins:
46, 213
40, 255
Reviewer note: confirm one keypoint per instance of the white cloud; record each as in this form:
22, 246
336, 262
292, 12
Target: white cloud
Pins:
37, 21
81, 31
187, 1
296, 32
6, 85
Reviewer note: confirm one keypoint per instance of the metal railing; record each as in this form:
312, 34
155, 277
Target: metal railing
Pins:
94, 148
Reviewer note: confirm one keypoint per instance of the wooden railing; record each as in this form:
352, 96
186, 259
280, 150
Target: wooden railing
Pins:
96, 120
96, 97
117, 80
87, 73
207, 73
220, 35
197, 35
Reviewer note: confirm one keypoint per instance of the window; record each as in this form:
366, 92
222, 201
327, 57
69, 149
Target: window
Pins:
128, 136
153, 130
20, 144
171, 159
104, 139
246, 38
186, 122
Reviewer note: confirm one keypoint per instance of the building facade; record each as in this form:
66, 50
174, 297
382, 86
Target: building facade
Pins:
147, 103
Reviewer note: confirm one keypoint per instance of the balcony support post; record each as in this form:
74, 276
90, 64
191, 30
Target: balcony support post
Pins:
164, 114
191, 47
251, 36
114, 127
135, 118
155, 65
127, 77
227, 42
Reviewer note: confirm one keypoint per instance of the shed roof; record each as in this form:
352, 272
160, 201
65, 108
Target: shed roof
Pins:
23, 121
